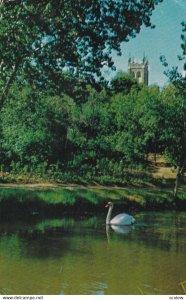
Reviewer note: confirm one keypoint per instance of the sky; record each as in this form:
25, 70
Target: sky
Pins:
163, 40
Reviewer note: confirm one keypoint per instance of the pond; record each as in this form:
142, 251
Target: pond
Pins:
80, 255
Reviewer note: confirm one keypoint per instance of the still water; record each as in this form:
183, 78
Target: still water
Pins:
81, 256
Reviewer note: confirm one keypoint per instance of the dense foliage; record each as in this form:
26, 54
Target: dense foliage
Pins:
56, 116
175, 132
98, 135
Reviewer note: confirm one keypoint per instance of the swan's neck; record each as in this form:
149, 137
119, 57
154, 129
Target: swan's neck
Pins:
109, 215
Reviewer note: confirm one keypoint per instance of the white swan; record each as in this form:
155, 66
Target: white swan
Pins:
121, 219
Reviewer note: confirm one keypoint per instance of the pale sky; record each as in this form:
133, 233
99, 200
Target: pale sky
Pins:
163, 40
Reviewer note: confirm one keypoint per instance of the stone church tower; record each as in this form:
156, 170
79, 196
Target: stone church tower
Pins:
139, 70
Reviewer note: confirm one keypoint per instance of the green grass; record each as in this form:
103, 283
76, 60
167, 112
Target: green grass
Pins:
70, 200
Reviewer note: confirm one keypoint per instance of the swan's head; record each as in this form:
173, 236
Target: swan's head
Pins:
109, 204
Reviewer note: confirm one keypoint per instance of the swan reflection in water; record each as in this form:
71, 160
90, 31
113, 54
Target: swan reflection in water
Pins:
120, 229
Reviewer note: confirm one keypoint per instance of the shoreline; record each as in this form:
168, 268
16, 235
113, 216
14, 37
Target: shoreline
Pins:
59, 186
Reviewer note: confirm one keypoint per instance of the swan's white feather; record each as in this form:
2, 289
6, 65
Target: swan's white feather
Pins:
122, 219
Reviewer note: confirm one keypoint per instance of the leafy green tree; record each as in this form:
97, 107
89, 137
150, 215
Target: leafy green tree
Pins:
38, 39
128, 137
174, 130
122, 83
88, 132
175, 97
138, 119
34, 127
149, 111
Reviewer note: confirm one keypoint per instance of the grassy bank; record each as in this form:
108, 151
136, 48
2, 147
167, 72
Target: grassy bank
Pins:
53, 200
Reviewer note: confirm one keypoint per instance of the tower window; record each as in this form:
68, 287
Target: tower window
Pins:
139, 75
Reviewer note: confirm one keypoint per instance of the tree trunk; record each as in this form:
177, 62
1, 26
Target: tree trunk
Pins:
176, 183
155, 156
9, 82
180, 172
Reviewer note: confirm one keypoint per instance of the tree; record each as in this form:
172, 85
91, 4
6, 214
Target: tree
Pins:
122, 83
34, 127
149, 111
175, 133
88, 130
174, 130
38, 39
128, 138
137, 117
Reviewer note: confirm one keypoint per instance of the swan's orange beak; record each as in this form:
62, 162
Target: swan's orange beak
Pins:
107, 205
